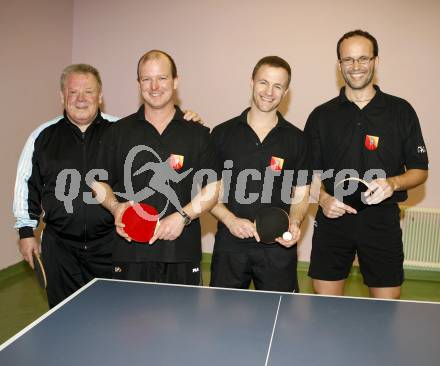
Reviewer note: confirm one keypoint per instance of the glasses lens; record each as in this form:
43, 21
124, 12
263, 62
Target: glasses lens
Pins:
347, 61
364, 60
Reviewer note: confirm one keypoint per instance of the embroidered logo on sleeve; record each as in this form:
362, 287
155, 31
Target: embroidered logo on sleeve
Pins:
176, 161
371, 142
421, 149
276, 164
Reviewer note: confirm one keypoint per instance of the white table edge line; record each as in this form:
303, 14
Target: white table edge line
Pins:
273, 330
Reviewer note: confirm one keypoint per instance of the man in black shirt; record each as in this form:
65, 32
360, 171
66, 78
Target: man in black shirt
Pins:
260, 143
371, 135
156, 157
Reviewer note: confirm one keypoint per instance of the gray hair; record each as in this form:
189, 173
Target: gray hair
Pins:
80, 69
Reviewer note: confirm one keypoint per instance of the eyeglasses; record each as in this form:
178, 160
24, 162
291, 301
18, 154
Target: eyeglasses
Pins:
349, 61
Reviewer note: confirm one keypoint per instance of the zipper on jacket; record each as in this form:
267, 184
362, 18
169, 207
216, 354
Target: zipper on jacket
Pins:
84, 151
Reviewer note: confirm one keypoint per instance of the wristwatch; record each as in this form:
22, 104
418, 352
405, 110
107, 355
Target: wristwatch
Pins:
186, 218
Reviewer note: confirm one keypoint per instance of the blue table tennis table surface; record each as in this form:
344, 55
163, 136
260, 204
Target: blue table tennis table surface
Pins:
133, 323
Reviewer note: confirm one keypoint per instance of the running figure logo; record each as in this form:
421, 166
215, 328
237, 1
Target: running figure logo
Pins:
163, 173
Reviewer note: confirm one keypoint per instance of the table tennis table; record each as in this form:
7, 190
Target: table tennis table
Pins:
122, 323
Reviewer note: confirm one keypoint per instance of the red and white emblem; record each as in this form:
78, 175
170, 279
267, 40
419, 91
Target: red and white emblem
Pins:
176, 161
371, 142
276, 164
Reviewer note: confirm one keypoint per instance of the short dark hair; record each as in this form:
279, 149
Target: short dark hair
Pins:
154, 55
80, 69
358, 33
273, 61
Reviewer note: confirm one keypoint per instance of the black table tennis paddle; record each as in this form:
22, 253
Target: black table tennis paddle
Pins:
272, 223
351, 192
40, 273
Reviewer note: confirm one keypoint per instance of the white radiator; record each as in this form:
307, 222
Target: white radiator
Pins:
421, 237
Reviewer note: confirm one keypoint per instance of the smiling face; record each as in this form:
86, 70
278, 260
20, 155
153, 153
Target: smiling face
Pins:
357, 76
269, 86
81, 97
156, 82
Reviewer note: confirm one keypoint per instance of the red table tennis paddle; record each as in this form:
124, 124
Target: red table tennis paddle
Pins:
141, 221
40, 273
272, 223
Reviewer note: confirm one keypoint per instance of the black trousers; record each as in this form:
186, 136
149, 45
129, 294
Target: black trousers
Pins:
69, 267
270, 268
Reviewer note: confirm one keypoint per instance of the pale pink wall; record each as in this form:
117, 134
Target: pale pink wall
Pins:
217, 42
36, 43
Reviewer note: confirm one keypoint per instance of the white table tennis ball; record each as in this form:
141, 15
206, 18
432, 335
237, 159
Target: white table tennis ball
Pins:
287, 236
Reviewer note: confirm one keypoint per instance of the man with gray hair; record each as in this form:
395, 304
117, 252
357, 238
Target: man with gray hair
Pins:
76, 240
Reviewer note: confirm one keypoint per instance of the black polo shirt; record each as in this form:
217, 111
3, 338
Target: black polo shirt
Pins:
275, 164
384, 135
133, 142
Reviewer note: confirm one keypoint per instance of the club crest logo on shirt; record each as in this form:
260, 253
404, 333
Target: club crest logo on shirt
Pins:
176, 161
371, 142
276, 164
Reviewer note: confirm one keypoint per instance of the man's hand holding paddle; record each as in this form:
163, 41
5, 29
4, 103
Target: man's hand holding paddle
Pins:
30, 250
28, 247
118, 209
333, 208
140, 222
240, 227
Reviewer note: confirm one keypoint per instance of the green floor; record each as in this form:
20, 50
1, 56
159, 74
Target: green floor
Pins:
22, 301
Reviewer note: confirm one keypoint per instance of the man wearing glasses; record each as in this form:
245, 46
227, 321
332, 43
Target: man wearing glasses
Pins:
372, 135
